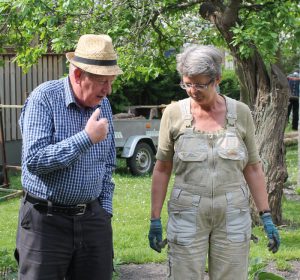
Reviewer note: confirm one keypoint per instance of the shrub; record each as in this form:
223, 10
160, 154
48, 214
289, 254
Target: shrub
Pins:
229, 85
8, 266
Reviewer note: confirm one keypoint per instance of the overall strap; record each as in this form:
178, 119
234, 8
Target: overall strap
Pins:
185, 108
231, 111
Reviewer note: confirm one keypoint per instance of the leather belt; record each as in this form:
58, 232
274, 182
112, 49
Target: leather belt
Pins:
48, 207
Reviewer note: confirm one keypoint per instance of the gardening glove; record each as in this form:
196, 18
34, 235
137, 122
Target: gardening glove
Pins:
155, 235
271, 231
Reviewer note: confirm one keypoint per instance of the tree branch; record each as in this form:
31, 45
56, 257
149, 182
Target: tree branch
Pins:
230, 15
160, 36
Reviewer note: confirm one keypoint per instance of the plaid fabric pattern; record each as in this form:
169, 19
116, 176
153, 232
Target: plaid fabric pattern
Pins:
59, 162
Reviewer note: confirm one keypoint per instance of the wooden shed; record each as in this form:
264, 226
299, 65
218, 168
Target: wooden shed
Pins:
15, 86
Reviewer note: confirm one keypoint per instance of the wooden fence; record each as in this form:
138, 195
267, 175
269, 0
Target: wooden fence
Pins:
15, 86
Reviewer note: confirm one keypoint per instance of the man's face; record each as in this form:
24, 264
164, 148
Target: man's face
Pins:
93, 88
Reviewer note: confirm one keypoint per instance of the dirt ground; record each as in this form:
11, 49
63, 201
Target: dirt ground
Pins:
159, 271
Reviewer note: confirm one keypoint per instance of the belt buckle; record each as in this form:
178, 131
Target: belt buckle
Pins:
81, 208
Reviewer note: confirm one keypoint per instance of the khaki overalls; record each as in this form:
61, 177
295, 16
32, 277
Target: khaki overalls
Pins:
208, 208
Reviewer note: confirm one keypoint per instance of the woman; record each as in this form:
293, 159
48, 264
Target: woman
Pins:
208, 141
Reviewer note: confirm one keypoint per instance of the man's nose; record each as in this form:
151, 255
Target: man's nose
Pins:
107, 87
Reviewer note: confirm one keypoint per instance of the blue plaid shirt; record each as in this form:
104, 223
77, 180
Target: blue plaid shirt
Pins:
59, 161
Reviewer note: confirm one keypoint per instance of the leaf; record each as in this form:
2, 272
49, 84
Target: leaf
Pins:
263, 275
44, 19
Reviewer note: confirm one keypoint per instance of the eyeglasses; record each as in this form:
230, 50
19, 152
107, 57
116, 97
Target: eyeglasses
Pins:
188, 86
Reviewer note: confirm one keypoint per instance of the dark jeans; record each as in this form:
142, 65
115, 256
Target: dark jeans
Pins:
294, 108
64, 247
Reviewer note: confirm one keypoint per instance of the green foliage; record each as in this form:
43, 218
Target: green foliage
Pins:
160, 90
15, 179
263, 275
142, 31
255, 265
256, 271
140, 41
270, 27
8, 227
229, 85
8, 265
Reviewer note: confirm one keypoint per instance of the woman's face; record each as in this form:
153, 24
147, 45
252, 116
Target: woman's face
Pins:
201, 88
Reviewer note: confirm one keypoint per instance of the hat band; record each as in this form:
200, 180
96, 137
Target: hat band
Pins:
94, 61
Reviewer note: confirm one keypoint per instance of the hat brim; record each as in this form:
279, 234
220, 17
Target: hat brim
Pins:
95, 69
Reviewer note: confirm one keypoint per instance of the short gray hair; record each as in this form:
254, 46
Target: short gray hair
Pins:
200, 60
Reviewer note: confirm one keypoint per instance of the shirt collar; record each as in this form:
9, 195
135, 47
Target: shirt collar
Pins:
69, 95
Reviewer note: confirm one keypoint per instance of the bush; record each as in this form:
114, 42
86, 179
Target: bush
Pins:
8, 266
156, 91
229, 85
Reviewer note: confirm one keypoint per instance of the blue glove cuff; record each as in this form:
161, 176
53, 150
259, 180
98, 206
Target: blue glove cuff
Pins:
155, 224
265, 216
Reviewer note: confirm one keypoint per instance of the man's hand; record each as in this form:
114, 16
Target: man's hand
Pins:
271, 231
96, 129
155, 235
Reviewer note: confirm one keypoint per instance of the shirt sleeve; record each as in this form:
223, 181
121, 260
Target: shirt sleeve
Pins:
108, 186
246, 128
169, 127
40, 154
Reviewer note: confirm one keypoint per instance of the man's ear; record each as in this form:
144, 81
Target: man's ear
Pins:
78, 74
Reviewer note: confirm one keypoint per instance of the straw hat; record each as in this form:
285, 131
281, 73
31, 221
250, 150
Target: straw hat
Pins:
95, 54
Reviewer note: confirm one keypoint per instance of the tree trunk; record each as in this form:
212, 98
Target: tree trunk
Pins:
269, 114
244, 97
270, 118
266, 93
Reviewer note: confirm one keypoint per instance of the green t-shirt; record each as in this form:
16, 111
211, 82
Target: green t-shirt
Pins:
172, 126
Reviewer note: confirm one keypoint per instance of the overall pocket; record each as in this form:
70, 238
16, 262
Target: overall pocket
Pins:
181, 227
191, 148
230, 147
238, 219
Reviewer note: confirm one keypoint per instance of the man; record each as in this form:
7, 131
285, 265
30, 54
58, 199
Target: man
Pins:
68, 157
294, 83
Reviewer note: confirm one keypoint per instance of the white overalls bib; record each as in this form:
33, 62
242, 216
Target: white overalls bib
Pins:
209, 204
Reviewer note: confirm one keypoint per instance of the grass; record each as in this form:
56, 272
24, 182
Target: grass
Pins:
292, 164
131, 221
